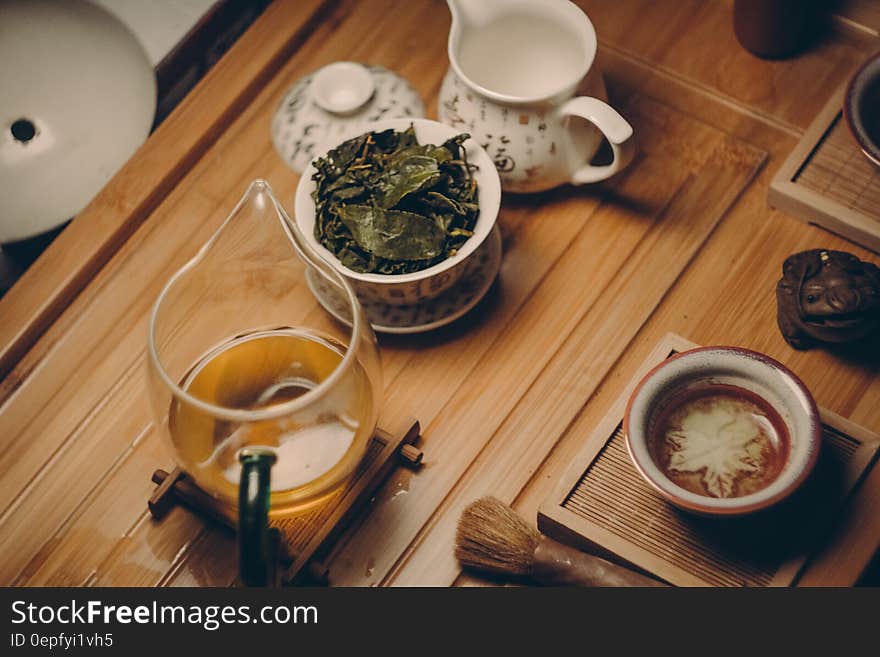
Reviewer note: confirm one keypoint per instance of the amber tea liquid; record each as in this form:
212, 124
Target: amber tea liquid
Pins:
318, 447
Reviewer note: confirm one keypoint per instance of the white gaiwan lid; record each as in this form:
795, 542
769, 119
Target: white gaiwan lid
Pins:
325, 104
78, 98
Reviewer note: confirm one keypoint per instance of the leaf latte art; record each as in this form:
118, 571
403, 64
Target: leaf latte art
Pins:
721, 441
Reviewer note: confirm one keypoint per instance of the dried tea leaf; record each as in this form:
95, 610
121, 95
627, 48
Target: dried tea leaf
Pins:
406, 176
387, 204
394, 234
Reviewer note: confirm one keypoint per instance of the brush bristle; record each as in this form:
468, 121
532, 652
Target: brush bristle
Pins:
491, 536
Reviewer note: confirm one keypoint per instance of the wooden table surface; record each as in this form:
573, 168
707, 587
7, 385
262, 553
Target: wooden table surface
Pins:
592, 279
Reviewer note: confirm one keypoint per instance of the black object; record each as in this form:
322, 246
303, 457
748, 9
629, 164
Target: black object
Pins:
773, 29
827, 296
257, 542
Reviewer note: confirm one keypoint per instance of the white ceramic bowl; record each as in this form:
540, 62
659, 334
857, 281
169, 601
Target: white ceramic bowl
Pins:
406, 289
754, 372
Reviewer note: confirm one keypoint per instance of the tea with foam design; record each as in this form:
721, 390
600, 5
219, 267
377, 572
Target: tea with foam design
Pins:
720, 441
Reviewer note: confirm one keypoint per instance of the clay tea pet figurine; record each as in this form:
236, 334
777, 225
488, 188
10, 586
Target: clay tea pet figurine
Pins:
827, 296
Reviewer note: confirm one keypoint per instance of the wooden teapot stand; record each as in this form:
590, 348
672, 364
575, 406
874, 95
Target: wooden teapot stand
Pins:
304, 540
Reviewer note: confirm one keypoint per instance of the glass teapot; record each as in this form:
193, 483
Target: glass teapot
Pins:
267, 403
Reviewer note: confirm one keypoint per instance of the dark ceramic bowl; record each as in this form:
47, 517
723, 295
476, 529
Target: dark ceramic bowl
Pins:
861, 108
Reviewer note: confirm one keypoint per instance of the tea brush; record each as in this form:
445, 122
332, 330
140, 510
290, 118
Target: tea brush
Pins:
492, 537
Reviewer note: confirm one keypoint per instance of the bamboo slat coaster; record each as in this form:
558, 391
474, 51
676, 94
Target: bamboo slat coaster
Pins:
307, 536
603, 505
828, 181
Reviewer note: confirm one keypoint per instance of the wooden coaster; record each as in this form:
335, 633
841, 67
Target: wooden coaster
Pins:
604, 505
308, 536
827, 180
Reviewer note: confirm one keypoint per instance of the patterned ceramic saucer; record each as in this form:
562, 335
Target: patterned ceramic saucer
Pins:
301, 124
482, 269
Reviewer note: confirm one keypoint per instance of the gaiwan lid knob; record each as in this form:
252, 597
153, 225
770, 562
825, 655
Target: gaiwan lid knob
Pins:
342, 87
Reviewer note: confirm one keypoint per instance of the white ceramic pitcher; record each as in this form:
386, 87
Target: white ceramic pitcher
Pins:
516, 66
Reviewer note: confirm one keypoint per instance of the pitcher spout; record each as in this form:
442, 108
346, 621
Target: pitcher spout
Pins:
470, 14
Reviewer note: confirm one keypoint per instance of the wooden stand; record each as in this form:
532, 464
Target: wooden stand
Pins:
827, 180
603, 505
305, 538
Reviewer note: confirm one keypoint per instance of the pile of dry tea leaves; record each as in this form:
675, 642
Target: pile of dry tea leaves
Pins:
386, 204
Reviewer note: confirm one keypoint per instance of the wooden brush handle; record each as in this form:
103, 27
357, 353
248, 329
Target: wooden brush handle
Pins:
556, 564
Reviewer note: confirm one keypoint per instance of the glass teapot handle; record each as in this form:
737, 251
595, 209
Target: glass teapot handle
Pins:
257, 542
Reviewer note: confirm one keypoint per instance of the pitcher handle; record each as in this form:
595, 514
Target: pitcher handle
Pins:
617, 131
256, 542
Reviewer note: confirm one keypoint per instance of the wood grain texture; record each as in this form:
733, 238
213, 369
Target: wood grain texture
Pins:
638, 273
108, 332
861, 16
591, 279
695, 40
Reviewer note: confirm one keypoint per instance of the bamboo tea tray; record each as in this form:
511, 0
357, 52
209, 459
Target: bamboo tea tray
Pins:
828, 181
602, 504
591, 276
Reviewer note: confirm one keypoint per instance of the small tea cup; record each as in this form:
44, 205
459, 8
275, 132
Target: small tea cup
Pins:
722, 431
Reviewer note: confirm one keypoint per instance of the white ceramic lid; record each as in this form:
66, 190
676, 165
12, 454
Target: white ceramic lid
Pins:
78, 98
325, 104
